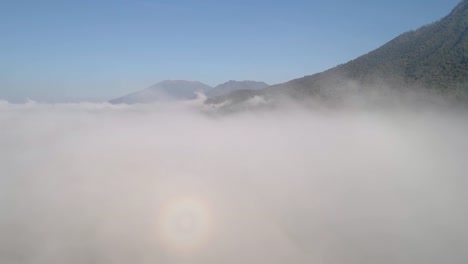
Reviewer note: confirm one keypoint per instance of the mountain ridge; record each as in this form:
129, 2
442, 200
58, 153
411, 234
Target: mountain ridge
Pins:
434, 57
167, 90
232, 86
173, 90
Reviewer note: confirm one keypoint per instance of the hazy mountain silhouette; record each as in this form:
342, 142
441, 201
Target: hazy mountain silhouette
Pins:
185, 90
165, 90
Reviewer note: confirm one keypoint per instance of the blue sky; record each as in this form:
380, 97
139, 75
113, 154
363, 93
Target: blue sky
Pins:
53, 50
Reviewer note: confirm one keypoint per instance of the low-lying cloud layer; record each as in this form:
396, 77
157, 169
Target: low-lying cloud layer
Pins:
97, 183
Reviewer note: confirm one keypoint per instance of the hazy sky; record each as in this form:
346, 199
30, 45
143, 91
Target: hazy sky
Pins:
88, 49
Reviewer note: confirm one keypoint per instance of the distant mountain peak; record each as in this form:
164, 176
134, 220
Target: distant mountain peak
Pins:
176, 81
167, 90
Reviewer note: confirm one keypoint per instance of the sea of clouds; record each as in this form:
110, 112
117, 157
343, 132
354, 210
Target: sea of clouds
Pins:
179, 183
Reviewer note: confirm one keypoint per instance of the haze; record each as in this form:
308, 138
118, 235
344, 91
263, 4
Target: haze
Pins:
179, 183
218, 132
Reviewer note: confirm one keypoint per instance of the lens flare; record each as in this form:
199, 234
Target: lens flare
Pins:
185, 224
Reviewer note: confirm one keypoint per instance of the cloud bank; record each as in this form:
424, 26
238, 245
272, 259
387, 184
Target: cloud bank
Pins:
98, 183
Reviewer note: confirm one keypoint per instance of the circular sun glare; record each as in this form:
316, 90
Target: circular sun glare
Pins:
185, 224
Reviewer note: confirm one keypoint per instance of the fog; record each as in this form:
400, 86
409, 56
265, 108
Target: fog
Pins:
101, 183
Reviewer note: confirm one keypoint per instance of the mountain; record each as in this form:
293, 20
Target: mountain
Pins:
163, 91
434, 57
232, 86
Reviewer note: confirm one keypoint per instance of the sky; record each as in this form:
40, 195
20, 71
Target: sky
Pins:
92, 50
